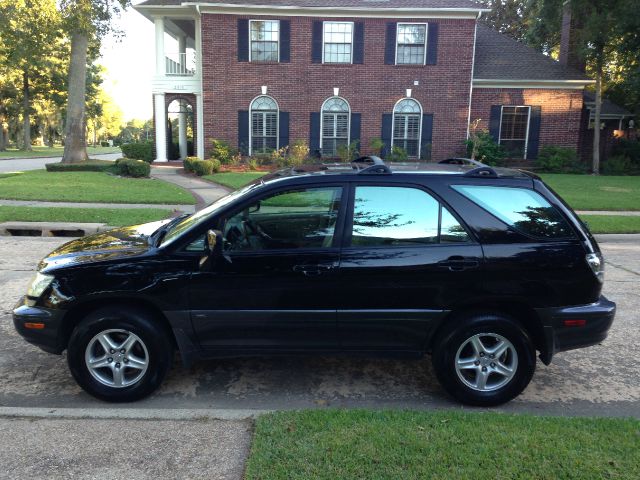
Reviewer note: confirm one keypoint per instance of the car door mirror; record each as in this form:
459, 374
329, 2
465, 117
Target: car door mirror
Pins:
213, 241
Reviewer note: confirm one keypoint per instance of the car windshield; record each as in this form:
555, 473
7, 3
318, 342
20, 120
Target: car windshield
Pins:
197, 218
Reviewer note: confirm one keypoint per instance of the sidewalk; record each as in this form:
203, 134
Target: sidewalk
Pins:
205, 192
615, 213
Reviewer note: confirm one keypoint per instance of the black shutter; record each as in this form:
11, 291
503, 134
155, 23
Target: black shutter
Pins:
358, 43
432, 44
426, 137
390, 44
314, 134
355, 130
243, 132
243, 40
316, 42
387, 120
283, 129
534, 133
285, 41
494, 122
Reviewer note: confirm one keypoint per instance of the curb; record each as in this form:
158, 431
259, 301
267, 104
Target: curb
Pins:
49, 156
618, 238
131, 413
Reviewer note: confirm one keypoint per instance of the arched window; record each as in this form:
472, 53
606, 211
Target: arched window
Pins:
264, 125
335, 127
407, 126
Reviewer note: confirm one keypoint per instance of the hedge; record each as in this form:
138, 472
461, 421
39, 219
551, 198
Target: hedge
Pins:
129, 167
138, 151
90, 166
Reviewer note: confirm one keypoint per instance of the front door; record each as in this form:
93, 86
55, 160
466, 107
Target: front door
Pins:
274, 286
405, 259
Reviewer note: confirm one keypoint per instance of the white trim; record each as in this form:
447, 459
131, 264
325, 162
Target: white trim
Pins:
533, 84
250, 49
353, 27
200, 153
160, 125
251, 126
473, 66
526, 138
426, 40
393, 124
348, 119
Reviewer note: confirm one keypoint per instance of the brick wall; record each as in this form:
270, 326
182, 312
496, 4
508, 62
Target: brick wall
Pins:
372, 88
561, 111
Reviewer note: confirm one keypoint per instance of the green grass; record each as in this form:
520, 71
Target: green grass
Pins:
337, 444
612, 223
53, 152
234, 180
111, 216
589, 192
90, 187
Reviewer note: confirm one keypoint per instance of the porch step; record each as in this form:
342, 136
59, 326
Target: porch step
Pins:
50, 229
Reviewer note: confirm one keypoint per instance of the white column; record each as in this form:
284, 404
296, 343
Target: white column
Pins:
182, 50
161, 127
200, 126
160, 57
182, 130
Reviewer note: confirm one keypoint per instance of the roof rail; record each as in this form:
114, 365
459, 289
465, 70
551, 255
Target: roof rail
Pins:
374, 165
462, 161
483, 171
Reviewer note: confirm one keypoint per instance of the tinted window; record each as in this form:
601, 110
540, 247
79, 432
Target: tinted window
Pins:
523, 209
388, 216
292, 219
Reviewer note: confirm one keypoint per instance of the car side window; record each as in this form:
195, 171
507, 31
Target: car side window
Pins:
393, 216
293, 219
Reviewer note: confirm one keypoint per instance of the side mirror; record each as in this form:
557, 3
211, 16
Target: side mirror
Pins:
213, 241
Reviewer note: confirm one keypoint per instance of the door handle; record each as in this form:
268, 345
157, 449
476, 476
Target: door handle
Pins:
458, 263
313, 270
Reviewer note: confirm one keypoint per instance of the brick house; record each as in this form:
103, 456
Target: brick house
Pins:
413, 73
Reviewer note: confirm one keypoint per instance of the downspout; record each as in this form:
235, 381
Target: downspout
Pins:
473, 66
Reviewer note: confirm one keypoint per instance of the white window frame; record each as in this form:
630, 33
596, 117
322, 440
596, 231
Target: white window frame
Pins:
353, 26
426, 40
251, 121
250, 41
393, 123
348, 119
526, 139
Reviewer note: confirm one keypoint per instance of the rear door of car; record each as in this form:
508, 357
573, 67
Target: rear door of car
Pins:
406, 258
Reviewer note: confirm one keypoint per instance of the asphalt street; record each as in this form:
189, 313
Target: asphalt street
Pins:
601, 380
23, 164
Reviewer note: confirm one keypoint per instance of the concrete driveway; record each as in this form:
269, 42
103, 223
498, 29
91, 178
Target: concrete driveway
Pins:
602, 380
24, 164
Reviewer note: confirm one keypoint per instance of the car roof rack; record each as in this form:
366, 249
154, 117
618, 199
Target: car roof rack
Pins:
481, 169
374, 165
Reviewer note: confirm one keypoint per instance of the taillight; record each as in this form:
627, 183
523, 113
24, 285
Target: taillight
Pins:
596, 262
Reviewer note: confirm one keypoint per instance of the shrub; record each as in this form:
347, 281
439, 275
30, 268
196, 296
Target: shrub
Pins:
558, 160
376, 145
618, 165
215, 165
130, 167
279, 157
298, 152
202, 167
104, 144
187, 163
627, 148
348, 153
224, 153
485, 149
138, 151
253, 164
90, 166
398, 154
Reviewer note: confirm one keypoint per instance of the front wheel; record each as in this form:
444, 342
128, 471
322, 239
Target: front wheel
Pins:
484, 359
119, 355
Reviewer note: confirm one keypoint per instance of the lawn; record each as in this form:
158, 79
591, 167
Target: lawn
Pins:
612, 223
90, 187
53, 152
234, 180
332, 444
111, 216
589, 192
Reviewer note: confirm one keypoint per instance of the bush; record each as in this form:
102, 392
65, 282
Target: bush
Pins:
485, 148
215, 165
130, 167
627, 148
298, 153
398, 154
187, 163
558, 160
348, 153
104, 144
138, 151
618, 165
376, 145
202, 167
90, 166
223, 152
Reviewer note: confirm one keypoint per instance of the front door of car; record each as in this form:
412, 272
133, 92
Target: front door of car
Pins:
406, 258
273, 286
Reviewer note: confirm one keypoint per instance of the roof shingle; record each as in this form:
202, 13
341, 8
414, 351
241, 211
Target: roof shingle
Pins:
468, 4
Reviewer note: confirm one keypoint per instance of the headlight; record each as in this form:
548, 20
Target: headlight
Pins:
39, 285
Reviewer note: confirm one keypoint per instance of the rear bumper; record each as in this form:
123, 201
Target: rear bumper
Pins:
48, 337
559, 336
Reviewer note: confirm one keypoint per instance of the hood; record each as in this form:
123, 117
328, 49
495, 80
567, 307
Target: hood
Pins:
114, 244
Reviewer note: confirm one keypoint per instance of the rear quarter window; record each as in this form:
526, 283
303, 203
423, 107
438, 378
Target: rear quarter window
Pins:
522, 209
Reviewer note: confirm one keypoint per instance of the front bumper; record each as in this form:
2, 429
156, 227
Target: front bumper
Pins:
49, 337
559, 336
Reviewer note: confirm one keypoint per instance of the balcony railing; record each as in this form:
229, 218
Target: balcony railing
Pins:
180, 64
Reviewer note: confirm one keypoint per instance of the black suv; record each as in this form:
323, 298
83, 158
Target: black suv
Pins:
479, 267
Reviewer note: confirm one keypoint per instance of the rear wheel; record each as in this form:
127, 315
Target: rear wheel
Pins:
484, 359
119, 355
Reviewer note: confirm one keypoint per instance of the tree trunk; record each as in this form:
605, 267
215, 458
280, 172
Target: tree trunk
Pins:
3, 147
75, 145
596, 126
26, 107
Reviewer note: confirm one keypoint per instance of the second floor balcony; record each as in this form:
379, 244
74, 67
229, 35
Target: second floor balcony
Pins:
181, 64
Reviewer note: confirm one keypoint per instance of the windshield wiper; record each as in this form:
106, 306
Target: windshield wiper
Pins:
156, 237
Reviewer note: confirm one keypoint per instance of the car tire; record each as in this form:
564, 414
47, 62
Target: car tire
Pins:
119, 354
484, 359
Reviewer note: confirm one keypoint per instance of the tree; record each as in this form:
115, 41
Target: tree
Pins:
86, 22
